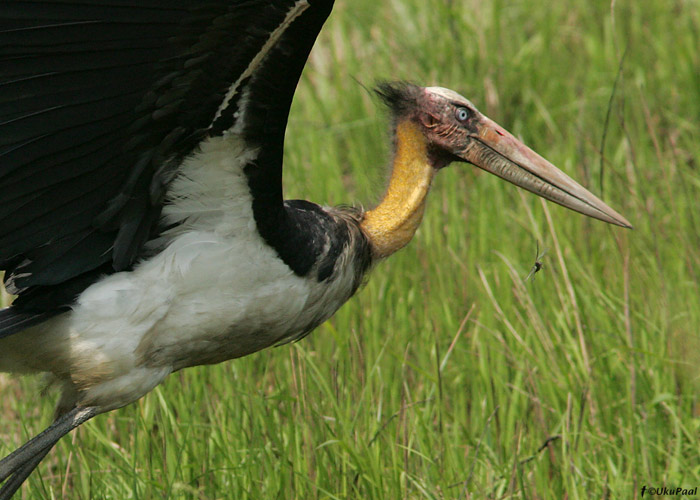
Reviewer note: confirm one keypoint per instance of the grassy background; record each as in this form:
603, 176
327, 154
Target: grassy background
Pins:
448, 376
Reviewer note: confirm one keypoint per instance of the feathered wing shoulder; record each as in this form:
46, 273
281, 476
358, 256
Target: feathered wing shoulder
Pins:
100, 100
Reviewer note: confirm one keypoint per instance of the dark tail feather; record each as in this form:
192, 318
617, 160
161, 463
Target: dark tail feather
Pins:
13, 320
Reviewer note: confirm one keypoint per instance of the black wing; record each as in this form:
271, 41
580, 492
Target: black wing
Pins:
100, 100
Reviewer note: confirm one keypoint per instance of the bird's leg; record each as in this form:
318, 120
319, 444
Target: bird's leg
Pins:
19, 464
20, 474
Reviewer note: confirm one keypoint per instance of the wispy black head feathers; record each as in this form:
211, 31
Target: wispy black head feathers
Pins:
401, 97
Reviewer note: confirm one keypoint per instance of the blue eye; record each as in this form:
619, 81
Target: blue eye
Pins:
462, 114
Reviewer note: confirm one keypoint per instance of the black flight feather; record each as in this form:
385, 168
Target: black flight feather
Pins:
100, 100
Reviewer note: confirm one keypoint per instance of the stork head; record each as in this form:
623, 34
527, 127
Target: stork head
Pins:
456, 131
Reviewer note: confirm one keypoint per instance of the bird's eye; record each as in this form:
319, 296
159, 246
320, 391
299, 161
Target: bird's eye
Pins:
462, 114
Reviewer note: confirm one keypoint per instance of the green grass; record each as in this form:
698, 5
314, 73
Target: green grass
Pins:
447, 374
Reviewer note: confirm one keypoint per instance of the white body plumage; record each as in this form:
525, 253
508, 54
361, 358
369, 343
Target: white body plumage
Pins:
214, 291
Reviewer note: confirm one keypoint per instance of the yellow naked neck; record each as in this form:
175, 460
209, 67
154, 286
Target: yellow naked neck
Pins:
392, 224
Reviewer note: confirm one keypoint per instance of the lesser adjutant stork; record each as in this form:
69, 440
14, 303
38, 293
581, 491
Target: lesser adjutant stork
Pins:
142, 223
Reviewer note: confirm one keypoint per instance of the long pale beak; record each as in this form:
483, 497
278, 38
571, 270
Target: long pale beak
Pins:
496, 150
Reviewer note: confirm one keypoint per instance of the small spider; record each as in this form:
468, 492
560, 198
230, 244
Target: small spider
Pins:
538, 265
